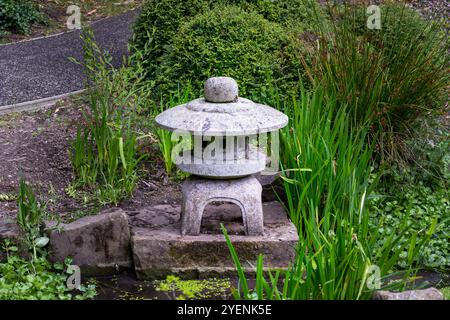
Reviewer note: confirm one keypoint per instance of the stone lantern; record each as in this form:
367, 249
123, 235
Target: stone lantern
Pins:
221, 150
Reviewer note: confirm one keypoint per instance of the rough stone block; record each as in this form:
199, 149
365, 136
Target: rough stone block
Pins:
160, 249
98, 244
424, 294
10, 230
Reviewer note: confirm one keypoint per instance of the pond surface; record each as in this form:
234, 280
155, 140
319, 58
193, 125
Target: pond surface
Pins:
125, 286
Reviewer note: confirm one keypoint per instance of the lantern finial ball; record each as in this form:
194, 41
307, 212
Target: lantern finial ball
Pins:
221, 90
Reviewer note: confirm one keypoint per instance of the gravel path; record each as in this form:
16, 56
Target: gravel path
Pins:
438, 10
41, 68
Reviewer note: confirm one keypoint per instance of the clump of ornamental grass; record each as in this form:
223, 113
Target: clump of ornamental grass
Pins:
327, 181
393, 77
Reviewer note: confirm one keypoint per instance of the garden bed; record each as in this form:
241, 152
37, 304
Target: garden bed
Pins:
365, 183
36, 145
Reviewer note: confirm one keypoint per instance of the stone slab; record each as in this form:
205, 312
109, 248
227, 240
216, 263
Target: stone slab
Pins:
422, 294
11, 231
159, 249
98, 244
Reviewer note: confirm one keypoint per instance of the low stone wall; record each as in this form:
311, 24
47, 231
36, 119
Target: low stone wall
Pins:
150, 241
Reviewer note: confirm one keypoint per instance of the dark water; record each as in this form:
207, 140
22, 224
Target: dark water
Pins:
125, 286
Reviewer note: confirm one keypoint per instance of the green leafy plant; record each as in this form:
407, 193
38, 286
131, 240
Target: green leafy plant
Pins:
30, 218
34, 278
21, 279
446, 292
9, 247
419, 205
418, 192
328, 203
18, 16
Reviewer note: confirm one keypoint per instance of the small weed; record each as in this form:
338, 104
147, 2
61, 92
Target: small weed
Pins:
446, 292
8, 197
30, 218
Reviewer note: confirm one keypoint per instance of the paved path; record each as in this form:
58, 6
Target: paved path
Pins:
40, 68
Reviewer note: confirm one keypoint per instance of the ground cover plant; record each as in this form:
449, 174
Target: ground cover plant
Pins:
33, 277
18, 16
420, 192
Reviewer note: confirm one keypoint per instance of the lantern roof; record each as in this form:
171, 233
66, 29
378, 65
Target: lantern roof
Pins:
221, 112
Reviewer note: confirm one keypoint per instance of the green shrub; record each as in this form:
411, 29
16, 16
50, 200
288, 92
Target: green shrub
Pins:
157, 33
18, 16
225, 41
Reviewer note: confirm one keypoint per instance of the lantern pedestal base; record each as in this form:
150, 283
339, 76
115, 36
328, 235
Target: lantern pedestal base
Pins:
243, 192
160, 250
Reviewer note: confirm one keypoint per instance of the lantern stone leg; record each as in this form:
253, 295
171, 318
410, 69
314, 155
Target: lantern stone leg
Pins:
244, 192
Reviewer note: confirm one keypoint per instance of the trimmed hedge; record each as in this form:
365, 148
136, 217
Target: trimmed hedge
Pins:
225, 41
161, 22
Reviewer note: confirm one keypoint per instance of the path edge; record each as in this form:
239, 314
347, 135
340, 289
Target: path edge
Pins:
36, 104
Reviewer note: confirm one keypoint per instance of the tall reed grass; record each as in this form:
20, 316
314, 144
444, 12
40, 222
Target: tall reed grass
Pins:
396, 76
336, 256
104, 152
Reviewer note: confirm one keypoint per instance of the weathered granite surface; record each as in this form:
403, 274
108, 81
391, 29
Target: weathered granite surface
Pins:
159, 249
98, 244
424, 294
221, 89
222, 113
244, 193
216, 166
11, 231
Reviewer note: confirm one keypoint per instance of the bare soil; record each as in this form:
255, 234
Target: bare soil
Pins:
36, 145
